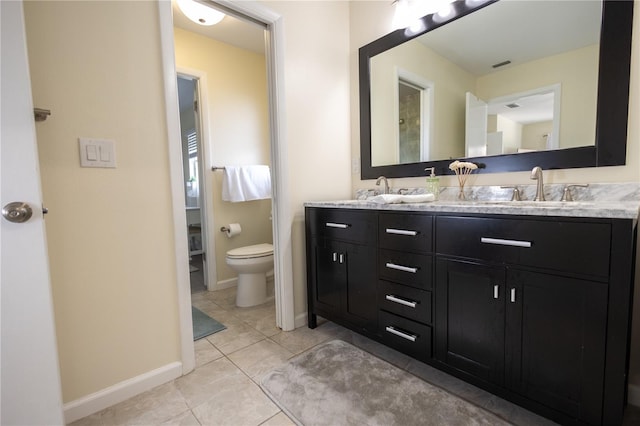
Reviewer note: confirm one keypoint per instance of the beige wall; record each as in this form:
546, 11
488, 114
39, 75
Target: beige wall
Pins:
533, 135
576, 72
236, 96
97, 66
316, 80
372, 19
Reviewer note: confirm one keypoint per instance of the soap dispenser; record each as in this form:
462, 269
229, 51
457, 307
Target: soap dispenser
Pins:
433, 183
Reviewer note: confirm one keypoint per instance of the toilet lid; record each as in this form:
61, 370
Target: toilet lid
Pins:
258, 250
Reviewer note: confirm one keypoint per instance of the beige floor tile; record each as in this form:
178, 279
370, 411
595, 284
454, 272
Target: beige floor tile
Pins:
236, 403
238, 335
304, 338
92, 420
280, 419
185, 419
226, 298
205, 352
152, 407
262, 318
259, 358
206, 382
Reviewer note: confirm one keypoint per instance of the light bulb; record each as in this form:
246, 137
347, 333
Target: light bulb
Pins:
200, 13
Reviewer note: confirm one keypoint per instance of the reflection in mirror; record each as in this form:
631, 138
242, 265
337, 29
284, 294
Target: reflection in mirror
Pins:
512, 124
579, 50
500, 54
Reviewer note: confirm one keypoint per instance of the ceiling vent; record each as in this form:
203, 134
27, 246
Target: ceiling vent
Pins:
500, 64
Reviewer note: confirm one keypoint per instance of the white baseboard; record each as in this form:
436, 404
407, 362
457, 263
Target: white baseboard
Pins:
119, 392
634, 395
300, 320
221, 285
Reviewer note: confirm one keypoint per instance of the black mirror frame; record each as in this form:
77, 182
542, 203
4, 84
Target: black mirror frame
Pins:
612, 105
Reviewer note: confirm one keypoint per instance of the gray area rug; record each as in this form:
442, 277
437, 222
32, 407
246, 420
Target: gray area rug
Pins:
338, 384
203, 324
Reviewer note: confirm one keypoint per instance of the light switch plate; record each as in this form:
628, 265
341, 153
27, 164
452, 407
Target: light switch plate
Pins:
97, 152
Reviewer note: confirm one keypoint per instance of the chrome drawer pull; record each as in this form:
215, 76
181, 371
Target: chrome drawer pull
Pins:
336, 225
396, 299
496, 289
513, 295
401, 268
399, 333
401, 232
500, 242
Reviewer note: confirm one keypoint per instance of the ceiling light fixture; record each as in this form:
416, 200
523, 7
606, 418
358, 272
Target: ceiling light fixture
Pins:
200, 13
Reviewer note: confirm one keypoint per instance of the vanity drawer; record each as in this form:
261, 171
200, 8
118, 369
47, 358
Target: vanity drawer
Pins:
406, 301
409, 337
577, 247
407, 232
411, 269
358, 226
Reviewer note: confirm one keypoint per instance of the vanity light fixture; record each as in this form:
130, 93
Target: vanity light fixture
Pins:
408, 13
199, 12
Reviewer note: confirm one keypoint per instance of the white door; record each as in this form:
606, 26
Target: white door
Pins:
475, 127
30, 385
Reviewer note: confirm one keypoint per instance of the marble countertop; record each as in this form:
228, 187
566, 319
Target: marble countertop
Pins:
599, 200
594, 209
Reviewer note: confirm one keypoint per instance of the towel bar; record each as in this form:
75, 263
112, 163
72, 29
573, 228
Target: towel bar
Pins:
214, 168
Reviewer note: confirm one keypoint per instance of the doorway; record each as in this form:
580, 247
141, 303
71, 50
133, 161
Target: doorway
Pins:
194, 185
282, 216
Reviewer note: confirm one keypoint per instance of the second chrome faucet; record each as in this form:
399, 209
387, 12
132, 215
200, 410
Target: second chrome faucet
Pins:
386, 184
536, 174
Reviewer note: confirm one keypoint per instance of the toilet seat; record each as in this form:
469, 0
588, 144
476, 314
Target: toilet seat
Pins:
251, 252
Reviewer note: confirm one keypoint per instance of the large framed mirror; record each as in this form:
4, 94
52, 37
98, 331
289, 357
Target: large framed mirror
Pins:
508, 85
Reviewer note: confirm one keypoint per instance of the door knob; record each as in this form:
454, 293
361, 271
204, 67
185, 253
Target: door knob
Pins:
17, 212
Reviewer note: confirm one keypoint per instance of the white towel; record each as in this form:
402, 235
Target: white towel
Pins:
246, 183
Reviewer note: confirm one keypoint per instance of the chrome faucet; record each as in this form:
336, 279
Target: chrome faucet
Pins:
536, 174
386, 184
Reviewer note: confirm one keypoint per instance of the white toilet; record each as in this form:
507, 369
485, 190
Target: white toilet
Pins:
252, 264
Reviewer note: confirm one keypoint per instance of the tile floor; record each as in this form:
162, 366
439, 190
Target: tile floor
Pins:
224, 390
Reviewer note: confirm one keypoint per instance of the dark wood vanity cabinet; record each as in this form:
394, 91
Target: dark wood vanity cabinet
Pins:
341, 270
541, 336
534, 309
405, 283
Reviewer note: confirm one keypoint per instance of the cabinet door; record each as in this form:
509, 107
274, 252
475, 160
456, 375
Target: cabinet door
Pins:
345, 281
330, 276
470, 318
556, 342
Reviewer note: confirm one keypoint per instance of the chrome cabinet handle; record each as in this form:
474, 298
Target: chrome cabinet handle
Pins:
335, 256
395, 299
496, 289
513, 295
501, 242
393, 330
336, 225
401, 268
341, 258
401, 232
